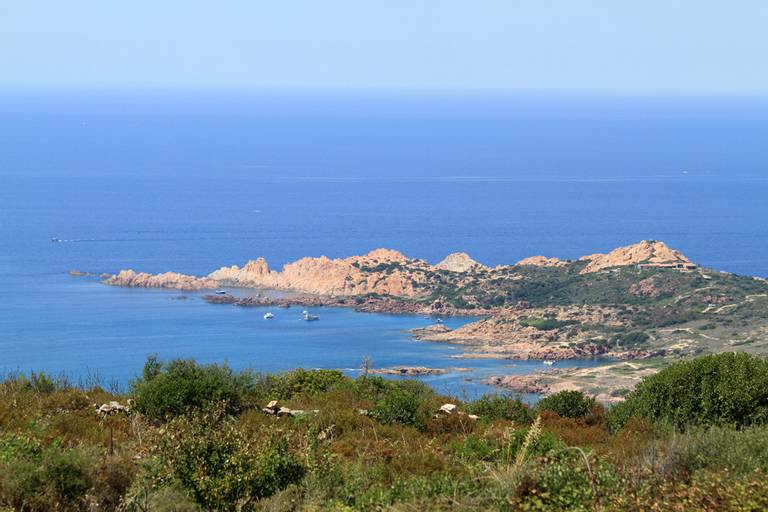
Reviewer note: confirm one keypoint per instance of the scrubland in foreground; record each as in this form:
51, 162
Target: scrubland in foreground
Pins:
692, 437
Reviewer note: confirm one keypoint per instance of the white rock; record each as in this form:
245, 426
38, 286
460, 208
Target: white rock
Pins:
448, 408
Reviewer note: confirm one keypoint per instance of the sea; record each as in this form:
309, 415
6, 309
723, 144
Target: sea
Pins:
191, 180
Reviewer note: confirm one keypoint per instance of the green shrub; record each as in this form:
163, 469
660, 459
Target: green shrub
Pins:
631, 339
180, 385
545, 324
727, 388
36, 382
223, 467
111, 479
500, 407
474, 448
369, 387
416, 387
717, 448
544, 443
38, 478
504, 450
170, 499
398, 405
302, 382
567, 404
563, 482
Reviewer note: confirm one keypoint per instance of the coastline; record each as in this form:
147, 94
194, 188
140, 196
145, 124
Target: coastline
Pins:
643, 302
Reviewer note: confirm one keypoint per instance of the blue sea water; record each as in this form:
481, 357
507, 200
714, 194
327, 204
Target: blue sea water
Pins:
160, 181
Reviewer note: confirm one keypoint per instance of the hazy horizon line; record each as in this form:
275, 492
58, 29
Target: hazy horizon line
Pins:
255, 91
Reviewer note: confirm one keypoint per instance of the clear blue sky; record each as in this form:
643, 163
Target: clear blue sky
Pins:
648, 47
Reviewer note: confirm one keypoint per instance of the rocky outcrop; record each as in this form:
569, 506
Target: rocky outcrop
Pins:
385, 272
652, 287
409, 371
415, 371
647, 252
542, 261
459, 262
381, 271
507, 335
528, 383
275, 409
113, 408
423, 333
166, 280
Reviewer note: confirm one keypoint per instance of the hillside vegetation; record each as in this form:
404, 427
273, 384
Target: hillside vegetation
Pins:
204, 437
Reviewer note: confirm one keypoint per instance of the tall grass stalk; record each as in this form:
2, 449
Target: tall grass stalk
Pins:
530, 438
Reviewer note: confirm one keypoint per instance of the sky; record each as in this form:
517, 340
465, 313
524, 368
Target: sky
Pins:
562, 46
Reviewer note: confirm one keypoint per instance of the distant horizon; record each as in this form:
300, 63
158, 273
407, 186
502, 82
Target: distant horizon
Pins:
384, 92
493, 102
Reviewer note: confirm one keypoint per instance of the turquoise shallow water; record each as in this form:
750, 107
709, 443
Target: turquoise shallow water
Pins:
191, 184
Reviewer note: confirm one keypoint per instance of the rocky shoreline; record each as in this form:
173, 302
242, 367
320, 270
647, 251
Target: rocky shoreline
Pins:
360, 304
505, 336
416, 371
608, 383
642, 302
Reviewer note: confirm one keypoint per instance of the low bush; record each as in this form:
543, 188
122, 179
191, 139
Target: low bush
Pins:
704, 491
568, 404
630, 339
499, 407
34, 477
545, 324
475, 448
111, 479
717, 448
301, 382
36, 382
170, 389
398, 405
449, 424
223, 467
729, 388
542, 444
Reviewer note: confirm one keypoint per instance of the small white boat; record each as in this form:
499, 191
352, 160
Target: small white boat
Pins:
307, 317
549, 363
268, 315
221, 292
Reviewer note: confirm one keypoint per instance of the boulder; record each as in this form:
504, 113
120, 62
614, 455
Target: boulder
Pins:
448, 408
272, 407
112, 408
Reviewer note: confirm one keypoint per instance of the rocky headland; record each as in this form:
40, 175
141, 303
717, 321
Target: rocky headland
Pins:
379, 272
173, 280
645, 301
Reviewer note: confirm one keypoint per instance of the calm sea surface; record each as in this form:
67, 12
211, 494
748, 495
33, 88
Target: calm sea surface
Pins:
158, 182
